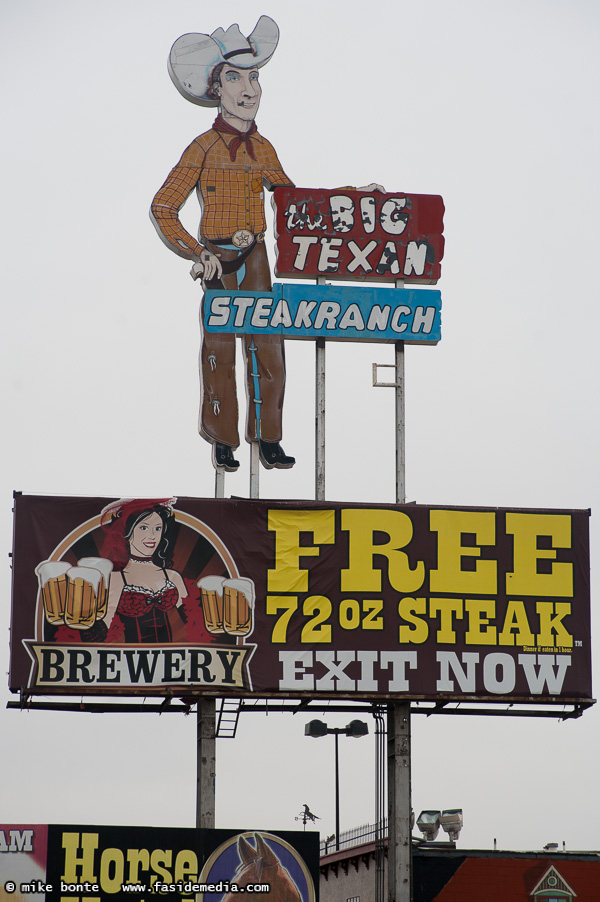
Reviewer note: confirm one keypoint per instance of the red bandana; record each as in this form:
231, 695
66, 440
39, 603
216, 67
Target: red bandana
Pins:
220, 125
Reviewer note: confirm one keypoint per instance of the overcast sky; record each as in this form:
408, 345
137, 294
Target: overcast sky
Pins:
492, 105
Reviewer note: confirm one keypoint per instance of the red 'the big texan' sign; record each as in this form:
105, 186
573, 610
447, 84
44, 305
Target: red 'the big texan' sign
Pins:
358, 235
231, 597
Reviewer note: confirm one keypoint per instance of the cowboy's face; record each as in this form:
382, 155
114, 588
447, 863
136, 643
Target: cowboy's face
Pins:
239, 92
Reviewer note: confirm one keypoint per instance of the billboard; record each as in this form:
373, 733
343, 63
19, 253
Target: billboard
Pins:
50, 862
292, 599
358, 235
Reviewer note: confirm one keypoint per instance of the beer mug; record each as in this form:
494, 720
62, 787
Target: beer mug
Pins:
53, 580
211, 591
105, 567
82, 597
238, 606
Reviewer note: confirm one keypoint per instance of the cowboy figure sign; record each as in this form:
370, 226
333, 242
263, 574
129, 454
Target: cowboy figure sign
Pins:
228, 166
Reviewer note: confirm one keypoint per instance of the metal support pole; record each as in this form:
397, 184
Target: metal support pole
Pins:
320, 420
399, 803
337, 794
399, 783
254, 470
400, 424
320, 414
219, 482
206, 763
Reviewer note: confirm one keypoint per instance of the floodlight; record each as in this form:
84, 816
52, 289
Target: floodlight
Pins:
452, 820
316, 729
357, 728
428, 823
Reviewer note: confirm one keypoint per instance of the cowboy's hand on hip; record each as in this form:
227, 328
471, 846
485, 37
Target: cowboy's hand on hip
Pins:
211, 265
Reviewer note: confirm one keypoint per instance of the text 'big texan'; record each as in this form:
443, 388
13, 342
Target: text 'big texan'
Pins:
287, 599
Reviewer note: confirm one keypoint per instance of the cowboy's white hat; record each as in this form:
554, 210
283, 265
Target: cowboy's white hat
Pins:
194, 56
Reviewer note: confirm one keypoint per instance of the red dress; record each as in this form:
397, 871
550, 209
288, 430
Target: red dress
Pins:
142, 615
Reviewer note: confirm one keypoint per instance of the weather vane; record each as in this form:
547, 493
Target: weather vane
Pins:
306, 815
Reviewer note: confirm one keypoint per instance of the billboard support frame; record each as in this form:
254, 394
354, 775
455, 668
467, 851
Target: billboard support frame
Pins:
174, 705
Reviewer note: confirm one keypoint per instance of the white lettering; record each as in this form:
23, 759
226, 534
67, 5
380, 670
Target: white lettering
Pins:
466, 679
299, 219
20, 841
327, 312
367, 211
416, 256
424, 317
304, 243
545, 674
219, 312
392, 220
242, 304
342, 212
305, 308
360, 256
295, 667
329, 253
260, 316
388, 262
506, 681
335, 670
367, 681
399, 660
398, 312
352, 318
281, 314
378, 318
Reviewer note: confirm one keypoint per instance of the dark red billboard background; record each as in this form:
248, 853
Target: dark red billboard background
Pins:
302, 598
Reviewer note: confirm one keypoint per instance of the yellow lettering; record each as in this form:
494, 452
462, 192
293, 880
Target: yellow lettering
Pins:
186, 866
416, 634
446, 608
287, 526
373, 606
525, 579
361, 576
74, 862
286, 603
112, 860
135, 858
552, 632
159, 858
480, 632
316, 629
349, 614
451, 526
516, 619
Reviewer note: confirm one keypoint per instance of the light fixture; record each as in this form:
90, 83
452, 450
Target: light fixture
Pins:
428, 823
452, 821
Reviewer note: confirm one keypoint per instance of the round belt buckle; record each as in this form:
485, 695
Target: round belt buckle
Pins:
242, 238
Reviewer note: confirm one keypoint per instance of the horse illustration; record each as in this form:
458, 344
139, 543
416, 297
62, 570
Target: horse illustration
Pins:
261, 865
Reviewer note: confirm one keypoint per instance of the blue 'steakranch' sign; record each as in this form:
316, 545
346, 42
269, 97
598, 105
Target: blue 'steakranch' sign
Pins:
335, 312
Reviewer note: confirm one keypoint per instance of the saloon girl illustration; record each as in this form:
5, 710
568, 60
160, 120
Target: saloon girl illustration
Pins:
130, 592
145, 596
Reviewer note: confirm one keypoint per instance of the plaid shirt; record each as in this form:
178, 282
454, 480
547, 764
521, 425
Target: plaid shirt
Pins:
230, 193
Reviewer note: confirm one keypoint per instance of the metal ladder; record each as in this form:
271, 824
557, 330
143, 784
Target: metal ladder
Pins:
228, 715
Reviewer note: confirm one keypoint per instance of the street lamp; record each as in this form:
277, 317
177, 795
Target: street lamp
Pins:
355, 729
